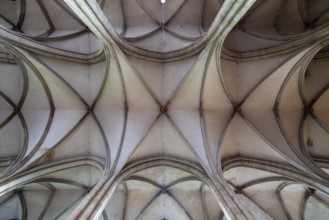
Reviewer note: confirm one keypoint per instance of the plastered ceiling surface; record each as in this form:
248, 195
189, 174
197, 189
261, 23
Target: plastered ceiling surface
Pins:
149, 109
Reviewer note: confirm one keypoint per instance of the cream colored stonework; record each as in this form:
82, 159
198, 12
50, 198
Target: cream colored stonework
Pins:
175, 109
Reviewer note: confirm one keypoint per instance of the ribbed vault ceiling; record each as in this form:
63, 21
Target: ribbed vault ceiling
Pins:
185, 109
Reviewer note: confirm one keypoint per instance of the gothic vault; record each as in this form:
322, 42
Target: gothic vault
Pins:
164, 109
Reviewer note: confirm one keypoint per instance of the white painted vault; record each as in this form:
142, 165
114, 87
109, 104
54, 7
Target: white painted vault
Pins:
164, 109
